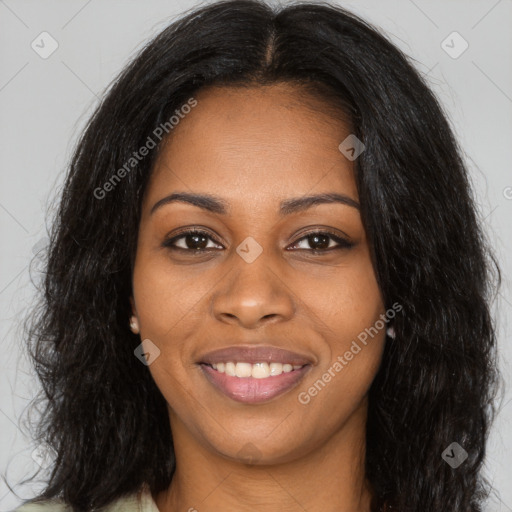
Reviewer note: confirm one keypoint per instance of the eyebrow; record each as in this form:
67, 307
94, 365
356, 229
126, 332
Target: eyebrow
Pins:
217, 205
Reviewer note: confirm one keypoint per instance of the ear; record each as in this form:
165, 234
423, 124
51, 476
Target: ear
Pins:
132, 302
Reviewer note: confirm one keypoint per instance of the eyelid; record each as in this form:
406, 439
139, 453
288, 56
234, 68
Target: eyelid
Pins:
168, 241
335, 233
342, 241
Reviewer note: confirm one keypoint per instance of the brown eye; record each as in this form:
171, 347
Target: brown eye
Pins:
193, 240
198, 241
320, 241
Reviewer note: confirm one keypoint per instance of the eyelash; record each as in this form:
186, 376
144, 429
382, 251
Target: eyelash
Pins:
343, 243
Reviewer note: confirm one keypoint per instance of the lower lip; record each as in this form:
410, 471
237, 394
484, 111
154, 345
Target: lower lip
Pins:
250, 390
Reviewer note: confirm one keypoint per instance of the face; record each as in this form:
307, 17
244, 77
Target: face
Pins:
262, 272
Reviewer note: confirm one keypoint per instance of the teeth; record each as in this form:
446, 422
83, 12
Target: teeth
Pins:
243, 369
256, 370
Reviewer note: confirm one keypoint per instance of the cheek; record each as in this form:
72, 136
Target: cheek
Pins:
166, 294
165, 303
348, 310
347, 300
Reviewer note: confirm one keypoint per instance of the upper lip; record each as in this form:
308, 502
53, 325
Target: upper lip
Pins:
254, 355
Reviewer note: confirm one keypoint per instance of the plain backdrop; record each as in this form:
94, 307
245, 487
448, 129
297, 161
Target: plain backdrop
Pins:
45, 102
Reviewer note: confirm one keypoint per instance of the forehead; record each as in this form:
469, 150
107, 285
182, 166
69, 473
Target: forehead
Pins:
258, 143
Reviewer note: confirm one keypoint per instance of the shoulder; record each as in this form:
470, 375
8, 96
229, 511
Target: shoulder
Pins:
44, 506
136, 502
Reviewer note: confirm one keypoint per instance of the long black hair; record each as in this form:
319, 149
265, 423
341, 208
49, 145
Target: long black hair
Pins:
103, 415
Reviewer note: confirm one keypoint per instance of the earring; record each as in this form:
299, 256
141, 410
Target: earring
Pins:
390, 331
134, 325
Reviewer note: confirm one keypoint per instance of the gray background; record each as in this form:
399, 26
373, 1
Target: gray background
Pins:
44, 103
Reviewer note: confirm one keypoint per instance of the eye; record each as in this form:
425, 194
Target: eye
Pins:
320, 242
194, 240
197, 241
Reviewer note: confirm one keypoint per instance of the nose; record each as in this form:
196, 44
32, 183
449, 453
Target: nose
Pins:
253, 294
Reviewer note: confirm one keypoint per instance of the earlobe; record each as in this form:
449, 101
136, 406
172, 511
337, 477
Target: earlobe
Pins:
134, 323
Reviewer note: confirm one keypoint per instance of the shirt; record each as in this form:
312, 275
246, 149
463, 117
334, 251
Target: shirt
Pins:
141, 501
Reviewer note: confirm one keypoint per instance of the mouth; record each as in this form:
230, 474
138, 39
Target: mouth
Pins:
254, 374
254, 383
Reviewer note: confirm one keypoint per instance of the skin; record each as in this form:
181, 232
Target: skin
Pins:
254, 148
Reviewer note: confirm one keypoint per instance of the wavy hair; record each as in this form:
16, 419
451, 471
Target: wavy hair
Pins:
102, 413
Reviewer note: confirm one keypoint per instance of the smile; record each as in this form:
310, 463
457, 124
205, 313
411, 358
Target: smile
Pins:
254, 383
260, 370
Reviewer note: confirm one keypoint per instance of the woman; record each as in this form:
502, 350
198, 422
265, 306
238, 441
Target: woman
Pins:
267, 288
